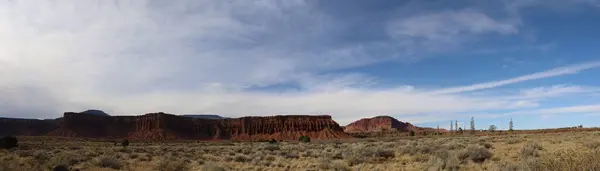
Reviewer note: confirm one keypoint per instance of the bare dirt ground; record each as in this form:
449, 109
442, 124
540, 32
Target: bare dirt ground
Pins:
552, 151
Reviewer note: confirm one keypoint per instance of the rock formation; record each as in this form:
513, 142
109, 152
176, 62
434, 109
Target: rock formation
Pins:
384, 123
160, 126
378, 123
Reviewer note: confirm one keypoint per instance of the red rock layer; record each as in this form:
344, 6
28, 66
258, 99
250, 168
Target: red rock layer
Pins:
160, 126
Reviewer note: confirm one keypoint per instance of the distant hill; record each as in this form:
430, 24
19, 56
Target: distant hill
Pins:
95, 112
203, 116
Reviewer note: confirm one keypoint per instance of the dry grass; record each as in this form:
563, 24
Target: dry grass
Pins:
555, 151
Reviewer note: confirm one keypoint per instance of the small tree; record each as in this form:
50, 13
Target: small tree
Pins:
510, 125
8, 142
492, 128
125, 143
460, 131
411, 133
304, 139
456, 125
472, 125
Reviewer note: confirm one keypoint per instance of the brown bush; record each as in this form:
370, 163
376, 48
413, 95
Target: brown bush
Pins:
531, 150
108, 162
240, 158
567, 160
212, 167
478, 154
384, 153
172, 165
592, 144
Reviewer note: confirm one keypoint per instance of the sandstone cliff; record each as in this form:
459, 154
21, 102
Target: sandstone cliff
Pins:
160, 126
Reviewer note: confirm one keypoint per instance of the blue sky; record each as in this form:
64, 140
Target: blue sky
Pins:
424, 62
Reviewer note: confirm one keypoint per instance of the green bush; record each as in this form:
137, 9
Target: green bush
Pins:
411, 133
9, 142
273, 141
304, 139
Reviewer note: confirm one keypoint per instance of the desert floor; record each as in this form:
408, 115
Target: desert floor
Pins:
552, 151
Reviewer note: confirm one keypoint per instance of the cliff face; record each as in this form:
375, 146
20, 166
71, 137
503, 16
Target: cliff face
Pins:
27, 127
160, 126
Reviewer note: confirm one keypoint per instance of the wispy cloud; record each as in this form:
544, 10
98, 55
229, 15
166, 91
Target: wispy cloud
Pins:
572, 69
447, 29
555, 91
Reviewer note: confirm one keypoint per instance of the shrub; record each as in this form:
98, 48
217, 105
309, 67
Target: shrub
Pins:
172, 165
514, 140
592, 144
8, 142
41, 156
292, 156
64, 158
486, 145
304, 139
569, 159
125, 143
106, 162
25, 153
60, 168
273, 141
270, 158
478, 154
385, 154
352, 161
442, 153
212, 167
339, 166
453, 145
531, 150
411, 133
240, 158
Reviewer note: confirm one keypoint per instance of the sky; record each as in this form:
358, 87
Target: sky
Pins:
423, 62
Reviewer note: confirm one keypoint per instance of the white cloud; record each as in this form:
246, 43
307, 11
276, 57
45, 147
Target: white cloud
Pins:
555, 91
570, 109
447, 29
133, 57
444, 26
572, 69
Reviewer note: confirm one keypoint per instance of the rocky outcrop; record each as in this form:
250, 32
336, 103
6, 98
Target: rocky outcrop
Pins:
379, 123
384, 123
161, 126
27, 127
